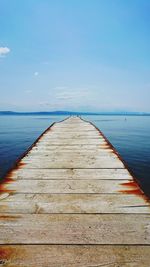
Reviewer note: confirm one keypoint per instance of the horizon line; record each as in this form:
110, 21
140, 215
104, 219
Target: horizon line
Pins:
63, 112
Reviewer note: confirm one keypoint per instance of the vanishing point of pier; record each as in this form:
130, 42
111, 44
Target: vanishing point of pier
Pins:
70, 201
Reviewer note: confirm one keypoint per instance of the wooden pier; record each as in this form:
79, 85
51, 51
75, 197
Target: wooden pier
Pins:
71, 202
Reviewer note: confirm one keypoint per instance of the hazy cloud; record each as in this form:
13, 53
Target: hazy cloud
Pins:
4, 51
70, 98
59, 88
36, 73
72, 94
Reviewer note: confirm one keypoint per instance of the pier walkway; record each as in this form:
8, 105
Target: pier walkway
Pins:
71, 202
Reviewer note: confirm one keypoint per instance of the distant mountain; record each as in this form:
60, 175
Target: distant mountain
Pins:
47, 113
68, 113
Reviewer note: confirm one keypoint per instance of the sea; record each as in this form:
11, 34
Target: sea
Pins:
130, 135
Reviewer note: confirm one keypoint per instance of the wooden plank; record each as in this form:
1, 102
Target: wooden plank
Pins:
39, 174
68, 150
91, 161
72, 142
76, 148
76, 154
73, 256
67, 157
72, 130
70, 163
72, 135
68, 186
75, 229
75, 136
73, 203
71, 125
66, 134
64, 152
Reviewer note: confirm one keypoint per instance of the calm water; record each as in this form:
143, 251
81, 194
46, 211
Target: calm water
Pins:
130, 135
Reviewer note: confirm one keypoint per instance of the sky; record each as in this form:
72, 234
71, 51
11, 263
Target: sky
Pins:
77, 55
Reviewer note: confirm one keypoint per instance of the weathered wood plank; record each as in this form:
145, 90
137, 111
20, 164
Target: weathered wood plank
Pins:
77, 155
72, 130
68, 162
70, 147
68, 186
74, 256
71, 135
75, 229
72, 142
66, 174
64, 153
73, 203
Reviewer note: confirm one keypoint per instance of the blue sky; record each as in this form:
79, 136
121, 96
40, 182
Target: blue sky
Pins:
87, 55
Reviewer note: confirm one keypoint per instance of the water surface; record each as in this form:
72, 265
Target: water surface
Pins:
130, 135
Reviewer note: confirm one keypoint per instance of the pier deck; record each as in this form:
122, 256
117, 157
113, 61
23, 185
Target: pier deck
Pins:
71, 202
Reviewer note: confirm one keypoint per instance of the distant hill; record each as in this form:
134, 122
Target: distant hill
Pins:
68, 113
46, 113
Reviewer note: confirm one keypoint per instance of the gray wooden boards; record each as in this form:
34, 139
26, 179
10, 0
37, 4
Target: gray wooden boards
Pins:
70, 201
74, 256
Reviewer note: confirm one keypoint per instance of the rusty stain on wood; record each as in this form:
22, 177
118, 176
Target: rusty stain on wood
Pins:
70, 200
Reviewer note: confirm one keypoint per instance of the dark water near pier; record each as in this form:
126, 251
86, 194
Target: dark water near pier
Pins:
130, 135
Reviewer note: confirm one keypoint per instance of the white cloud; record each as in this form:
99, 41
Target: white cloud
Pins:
59, 88
64, 96
70, 98
4, 51
75, 94
36, 73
